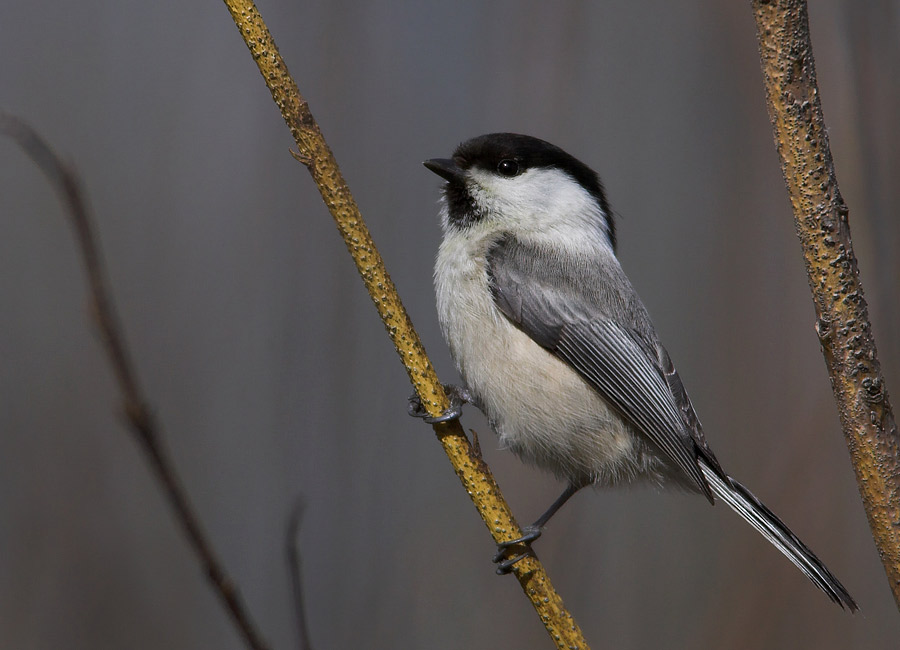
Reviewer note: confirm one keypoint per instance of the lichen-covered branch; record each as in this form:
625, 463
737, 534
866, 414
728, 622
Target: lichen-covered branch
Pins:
472, 471
821, 219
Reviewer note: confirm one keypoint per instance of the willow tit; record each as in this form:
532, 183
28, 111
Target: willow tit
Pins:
554, 345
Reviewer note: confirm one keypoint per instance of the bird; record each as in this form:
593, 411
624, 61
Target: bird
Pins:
555, 347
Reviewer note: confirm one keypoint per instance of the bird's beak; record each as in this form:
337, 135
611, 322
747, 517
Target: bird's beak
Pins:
446, 169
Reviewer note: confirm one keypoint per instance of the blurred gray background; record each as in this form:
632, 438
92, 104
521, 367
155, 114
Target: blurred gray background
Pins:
273, 377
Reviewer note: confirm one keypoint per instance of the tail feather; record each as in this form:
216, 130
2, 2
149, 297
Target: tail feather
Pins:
773, 529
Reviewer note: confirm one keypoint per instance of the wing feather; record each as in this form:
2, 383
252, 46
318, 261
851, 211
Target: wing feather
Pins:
587, 315
567, 309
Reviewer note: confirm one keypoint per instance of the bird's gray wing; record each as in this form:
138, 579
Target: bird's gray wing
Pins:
565, 305
685, 407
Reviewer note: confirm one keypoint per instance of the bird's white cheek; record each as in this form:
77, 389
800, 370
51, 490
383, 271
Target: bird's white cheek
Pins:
546, 203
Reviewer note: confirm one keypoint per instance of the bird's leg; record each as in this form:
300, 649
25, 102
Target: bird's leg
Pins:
457, 395
532, 532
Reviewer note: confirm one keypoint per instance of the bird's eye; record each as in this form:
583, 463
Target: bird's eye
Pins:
508, 167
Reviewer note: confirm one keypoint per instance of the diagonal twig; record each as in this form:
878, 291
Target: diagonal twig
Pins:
65, 181
474, 474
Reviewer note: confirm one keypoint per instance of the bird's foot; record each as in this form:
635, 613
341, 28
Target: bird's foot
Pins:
504, 563
457, 395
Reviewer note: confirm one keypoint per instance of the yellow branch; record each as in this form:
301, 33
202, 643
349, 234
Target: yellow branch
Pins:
472, 471
821, 219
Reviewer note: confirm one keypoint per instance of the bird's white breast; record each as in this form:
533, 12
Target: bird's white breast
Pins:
571, 430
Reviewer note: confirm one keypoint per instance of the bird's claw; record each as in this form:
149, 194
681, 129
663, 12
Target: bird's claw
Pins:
505, 564
505, 567
457, 395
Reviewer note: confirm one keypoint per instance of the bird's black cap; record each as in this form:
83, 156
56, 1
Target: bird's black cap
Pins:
487, 151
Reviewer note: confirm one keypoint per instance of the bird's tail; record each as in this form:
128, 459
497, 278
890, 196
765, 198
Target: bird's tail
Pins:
742, 501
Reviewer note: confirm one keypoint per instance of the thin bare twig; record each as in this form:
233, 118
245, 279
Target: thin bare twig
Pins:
65, 180
474, 474
821, 220
293, 558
